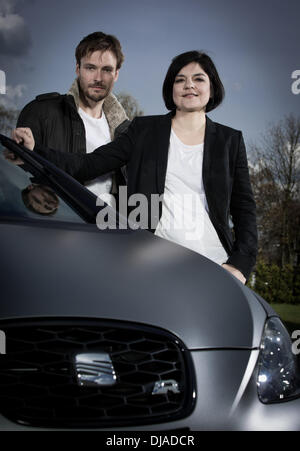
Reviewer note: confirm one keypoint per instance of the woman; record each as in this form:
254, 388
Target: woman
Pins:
188, 158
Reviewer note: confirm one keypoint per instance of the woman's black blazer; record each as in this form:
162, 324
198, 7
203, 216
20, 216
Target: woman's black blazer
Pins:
144, 149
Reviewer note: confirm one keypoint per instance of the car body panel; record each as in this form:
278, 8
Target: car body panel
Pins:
127, 276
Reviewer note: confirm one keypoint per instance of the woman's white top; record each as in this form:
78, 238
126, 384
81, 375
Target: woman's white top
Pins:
185, 218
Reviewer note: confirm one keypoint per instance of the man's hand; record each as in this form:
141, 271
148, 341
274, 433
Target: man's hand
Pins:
235, 272
23, 135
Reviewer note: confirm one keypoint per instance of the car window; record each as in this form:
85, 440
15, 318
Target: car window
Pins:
24, 195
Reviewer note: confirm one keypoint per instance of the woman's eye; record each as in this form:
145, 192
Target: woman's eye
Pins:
179, 80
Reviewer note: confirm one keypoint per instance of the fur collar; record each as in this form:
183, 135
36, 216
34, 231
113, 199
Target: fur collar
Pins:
113, 110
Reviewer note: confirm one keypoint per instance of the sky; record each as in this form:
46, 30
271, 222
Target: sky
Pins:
254, 45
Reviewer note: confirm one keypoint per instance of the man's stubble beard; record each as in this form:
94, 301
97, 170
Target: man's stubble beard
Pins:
85, 95
97, 97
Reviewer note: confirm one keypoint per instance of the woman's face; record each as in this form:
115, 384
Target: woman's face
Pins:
191, 89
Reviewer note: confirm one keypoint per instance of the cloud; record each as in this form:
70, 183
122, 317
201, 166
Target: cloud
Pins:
7, 6
13, 94
15, 39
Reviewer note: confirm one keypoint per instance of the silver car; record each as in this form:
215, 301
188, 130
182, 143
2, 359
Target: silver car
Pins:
122, 330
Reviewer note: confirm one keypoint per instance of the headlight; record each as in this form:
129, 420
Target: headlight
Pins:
278, 373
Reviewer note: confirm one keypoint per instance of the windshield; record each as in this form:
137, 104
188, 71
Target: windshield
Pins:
25, 195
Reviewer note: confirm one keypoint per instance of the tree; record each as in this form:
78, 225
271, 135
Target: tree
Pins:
130, 105
276, 182
8, 119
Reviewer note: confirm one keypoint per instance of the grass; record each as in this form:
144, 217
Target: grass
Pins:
290, 314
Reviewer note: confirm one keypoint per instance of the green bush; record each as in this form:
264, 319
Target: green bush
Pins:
275, 284
297, 285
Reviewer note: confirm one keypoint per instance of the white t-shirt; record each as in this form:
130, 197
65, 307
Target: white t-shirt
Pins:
97, 134
185, 218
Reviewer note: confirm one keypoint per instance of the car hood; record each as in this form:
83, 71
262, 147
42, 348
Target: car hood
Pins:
50, 271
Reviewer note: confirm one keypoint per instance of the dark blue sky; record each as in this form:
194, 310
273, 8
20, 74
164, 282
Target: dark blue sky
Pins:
254, 44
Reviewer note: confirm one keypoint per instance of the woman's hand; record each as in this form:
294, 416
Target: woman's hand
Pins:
23, 135
235, 272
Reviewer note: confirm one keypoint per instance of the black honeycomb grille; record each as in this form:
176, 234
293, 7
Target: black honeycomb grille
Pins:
38, 381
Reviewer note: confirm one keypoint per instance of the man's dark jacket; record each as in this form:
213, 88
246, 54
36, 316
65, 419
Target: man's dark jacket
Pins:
144, 149
55, 122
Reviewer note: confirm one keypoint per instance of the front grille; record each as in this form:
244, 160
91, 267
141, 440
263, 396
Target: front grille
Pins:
39, 385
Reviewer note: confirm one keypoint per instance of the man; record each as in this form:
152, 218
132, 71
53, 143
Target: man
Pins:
89, 115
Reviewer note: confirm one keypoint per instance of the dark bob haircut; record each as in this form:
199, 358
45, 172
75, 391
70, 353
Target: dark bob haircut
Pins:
216, 87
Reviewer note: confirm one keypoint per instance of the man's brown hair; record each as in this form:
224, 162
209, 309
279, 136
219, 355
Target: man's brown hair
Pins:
99, 41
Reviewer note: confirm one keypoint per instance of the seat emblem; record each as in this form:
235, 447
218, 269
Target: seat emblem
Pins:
95, 370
